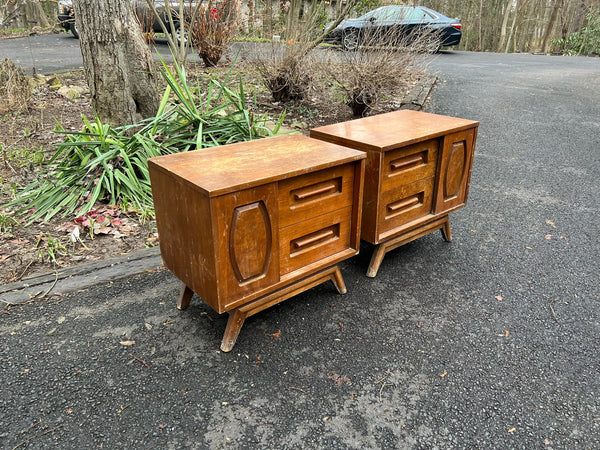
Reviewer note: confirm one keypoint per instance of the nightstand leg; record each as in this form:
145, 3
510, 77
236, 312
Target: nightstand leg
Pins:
338, 281
376, 260
239, 315
185, 296
446, 233
232, 330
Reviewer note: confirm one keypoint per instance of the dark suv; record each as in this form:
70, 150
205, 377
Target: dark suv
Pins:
66, 15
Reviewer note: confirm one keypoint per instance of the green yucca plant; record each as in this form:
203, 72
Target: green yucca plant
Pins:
104, 163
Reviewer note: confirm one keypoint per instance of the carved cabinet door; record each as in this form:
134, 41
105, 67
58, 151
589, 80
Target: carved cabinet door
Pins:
454, 170
247, 242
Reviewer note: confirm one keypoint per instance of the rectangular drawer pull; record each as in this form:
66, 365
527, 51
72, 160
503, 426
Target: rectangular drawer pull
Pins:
322, 235
404, 204
329, 187
409, 161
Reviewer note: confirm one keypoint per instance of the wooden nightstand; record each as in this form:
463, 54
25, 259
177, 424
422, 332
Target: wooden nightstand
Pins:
418, 171
248, 225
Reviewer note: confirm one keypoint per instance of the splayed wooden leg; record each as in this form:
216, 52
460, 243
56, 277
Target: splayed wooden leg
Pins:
446, 233
338, 281
185, 296
376, 260
232, 330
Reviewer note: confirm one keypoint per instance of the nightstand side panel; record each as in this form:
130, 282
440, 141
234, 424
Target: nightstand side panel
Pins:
186, 234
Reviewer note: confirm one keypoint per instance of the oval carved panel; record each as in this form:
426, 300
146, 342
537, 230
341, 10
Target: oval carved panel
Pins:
250, 241
455, 169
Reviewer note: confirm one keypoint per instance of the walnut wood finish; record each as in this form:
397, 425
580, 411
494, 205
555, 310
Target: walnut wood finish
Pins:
418, 170
249, 225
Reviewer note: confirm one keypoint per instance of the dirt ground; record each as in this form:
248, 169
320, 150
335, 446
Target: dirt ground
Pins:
28, 138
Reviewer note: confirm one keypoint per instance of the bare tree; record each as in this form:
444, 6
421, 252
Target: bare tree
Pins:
37, 12
551, 23
118, 64
25, 13
507, 11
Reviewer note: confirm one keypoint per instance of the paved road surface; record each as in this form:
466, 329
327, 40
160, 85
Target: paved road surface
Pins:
52, 53
491, 341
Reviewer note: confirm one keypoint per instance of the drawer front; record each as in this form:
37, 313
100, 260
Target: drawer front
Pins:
405, 204
310, 241
246, 242
310, 195
408, 164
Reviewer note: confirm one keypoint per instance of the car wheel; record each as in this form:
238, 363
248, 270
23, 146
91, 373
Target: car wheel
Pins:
73, 29
350, 40
432, 46
181, 34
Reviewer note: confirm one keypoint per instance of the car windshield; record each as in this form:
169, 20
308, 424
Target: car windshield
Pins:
397, 13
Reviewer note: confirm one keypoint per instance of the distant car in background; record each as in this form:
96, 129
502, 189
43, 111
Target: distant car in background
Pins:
398, 25
148, 22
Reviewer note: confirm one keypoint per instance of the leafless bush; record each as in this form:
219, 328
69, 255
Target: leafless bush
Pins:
215, 26
284, 71
286, 68
15, 89
381, 68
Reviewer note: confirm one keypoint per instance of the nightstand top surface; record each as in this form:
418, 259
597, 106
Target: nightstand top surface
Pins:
228, 168
392, 130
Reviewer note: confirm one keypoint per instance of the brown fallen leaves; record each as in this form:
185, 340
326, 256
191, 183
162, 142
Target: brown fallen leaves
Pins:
110, 220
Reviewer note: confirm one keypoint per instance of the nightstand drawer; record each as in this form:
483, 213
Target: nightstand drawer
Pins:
315, 239
408, 164
307, 196
405, 204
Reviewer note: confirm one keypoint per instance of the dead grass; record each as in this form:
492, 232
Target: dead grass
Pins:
15, 88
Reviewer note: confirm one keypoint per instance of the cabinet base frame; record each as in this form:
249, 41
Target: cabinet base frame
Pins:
238, 315
442, 223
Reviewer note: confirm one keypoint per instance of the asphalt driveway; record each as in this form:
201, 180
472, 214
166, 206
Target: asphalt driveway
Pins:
491, 341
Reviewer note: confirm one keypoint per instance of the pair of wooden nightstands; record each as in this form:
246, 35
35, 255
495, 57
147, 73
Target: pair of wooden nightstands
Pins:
248, 225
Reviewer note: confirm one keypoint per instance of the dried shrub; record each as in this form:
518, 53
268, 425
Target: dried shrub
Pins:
15, 89
284, 72
215, 25
379, 69
285, 67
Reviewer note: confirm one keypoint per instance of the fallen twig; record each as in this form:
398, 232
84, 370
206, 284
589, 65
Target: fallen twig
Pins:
24, 271
383, 384
140, 360
30, 427
552, 309
32, 437
53, 284
51, 430
297, 389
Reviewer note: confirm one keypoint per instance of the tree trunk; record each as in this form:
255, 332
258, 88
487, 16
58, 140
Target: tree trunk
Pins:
507, 10
35, 14
268, 19
550, 27
480, 40
118, 64
512, 28
251, 15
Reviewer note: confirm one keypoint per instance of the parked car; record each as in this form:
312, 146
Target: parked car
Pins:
399, 25
148, 22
